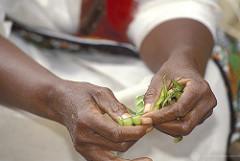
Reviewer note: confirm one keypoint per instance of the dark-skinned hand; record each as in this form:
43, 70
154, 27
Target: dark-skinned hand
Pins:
193, 107
88, 111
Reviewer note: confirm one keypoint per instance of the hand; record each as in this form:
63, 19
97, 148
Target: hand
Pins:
82, 108
193, 107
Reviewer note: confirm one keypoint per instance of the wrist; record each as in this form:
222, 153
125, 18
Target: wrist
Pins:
188, 58
51, 94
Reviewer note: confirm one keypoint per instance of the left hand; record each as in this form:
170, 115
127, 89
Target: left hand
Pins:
193, 107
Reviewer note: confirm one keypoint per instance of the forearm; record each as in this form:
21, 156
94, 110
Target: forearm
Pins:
24, 83
182, 41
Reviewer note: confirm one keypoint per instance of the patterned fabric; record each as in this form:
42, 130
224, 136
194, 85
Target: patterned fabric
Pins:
229, 59
106, 19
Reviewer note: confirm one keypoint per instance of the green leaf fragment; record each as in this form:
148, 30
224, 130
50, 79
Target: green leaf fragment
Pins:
139, 105
168, 96
136, 120
177, 95
140, 109
139, 99
177, 86
127, 122
120, 121
178, 139
132, 112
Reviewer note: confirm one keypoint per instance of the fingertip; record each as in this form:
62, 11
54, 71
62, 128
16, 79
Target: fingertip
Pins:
149, 129
146, 121
139, 131
183, 80
147, 107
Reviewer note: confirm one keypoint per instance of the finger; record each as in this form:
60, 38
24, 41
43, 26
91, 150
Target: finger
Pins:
95, 153
154, 91
111, 130
90, 137
109, 104
183, 81
187, 124
184, 105
146, 121
173, 128
206, 117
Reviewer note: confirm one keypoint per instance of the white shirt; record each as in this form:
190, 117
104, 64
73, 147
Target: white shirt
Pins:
63, 15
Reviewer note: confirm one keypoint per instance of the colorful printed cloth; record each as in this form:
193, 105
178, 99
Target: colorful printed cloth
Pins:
106, 19
229, 59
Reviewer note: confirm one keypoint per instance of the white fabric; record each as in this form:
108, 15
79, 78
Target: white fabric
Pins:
5, 26
25, 137
57, 15
151, 13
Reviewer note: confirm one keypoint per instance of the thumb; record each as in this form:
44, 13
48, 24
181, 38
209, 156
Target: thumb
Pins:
109, 104
153, 92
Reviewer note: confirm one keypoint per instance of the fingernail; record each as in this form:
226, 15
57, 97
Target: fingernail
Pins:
183, 80
149, 129
147, 107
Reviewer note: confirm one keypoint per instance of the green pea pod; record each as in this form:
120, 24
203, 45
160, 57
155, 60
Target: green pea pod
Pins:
178, 139
127, 122
136, 120
120, 121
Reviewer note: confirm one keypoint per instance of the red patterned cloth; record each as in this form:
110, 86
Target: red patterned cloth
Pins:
106, 19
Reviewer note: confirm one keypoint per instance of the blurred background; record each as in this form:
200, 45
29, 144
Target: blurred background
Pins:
229, 53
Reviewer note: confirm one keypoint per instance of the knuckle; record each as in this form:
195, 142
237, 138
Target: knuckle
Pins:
99, 92
118, 108
103, 91
80, 137
179, 112
194, 91
151, 92
116, 135
124, 147
186, 129
214, 101
210, 113
77, 148
81, 140
205, 86
83, 122
107, 90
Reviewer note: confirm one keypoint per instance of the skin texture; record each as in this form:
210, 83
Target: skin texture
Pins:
179, 49
87, 111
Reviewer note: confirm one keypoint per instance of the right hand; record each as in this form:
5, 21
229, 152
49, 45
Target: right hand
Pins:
81, 107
